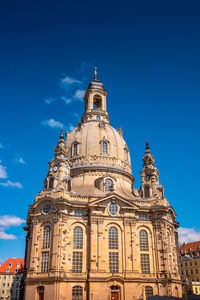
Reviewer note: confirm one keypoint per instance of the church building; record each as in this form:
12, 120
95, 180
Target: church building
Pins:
90, 234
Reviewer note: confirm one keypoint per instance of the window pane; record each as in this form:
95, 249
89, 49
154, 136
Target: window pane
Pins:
77, 292
148, 291
75, 149
143, 241
77, 262
114, 262
113, 209
108, 185
78, 238
46, 237
145, 266
113, 238
142, 217
45, 262
104, 147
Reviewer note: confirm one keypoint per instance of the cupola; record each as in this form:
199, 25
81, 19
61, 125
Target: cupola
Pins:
95, 101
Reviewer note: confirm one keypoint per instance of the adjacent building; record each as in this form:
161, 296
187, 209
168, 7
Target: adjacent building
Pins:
190, 265
11, 274
90, 233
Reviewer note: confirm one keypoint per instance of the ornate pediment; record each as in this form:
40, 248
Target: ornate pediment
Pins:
122, 202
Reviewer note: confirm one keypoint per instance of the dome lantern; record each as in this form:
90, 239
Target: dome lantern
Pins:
95, 101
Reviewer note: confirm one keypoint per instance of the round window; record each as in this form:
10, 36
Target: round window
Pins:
46, 208
113, 209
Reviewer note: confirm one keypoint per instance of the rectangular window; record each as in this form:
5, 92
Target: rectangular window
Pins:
145, 266
182, 273
186, 264
196, 271
142, 216
186, 272
114, 262
181, 265
195, 263
7, 270
190, 264
78, 212
18, 265
191, 271
77, 262
45, 262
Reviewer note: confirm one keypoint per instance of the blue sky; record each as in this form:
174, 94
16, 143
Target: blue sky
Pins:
147, 55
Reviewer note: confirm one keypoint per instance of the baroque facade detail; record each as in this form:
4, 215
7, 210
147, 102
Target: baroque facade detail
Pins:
91, 234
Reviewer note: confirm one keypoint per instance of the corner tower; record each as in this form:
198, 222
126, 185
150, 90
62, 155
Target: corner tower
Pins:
90, 234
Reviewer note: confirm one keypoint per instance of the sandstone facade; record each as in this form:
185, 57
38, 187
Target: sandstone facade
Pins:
90, 234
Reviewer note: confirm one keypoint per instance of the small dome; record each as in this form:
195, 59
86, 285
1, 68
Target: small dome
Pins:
96, 84
90, 138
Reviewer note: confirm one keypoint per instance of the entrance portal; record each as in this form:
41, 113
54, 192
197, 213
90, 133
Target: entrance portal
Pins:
115, 292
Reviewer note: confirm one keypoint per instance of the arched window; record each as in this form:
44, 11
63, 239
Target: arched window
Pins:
75, 149
113, 238
144, 246
51, 183
104, 147
97, 101
46, 237
77, 292
78, 238
148, 291
108, 185
146, 191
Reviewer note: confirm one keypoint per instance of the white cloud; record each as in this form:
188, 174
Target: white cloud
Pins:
11, 184
50, 100
66, 100
52, 123
188, 235
5, 236
8, 220
5, 222
69, 81
3, 173
79, 94
21, 161
71, 127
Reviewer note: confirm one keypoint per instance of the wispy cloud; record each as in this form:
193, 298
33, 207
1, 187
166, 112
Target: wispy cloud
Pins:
79, 94
77, 116
66, 100
1, 146
50, 100
68, 81
71, 127
6, 221
188, 235
3, 173
19, 160
6, 236
11, 184
52, 123
22, 161
9, 220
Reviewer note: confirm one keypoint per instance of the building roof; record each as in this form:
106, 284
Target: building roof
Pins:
12, 264
190, 248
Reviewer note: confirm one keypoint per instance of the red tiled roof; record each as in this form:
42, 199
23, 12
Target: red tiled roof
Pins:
190, 248
13, 262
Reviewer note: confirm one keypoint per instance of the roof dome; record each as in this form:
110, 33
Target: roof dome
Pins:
97, 143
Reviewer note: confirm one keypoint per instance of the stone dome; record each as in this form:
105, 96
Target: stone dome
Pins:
88, 139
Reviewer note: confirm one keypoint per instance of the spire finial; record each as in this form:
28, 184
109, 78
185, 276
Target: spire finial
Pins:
147, 145
61, 135
95, 73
